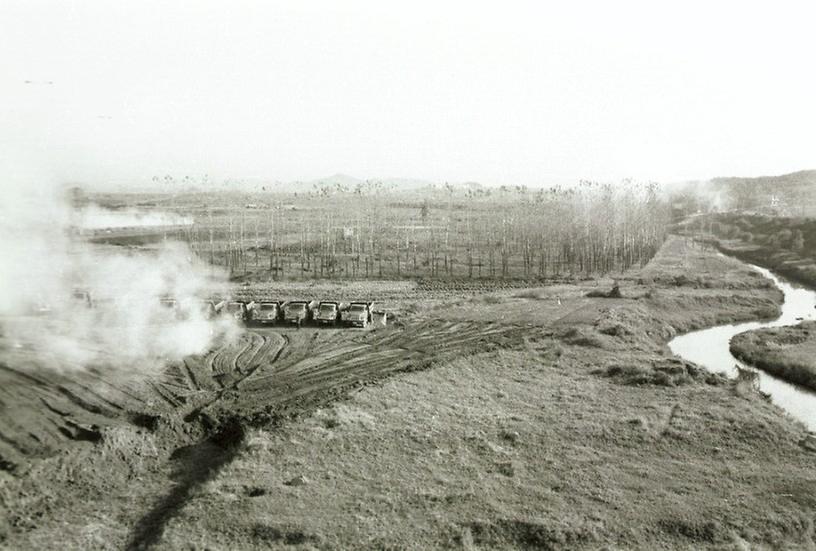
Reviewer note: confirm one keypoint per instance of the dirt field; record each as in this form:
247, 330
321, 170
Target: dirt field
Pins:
530, 418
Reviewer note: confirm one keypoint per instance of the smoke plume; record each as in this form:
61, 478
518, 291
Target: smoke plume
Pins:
70, 304
94, 217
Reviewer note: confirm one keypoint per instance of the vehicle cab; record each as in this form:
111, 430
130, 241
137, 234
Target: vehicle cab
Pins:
265, 312
327, 313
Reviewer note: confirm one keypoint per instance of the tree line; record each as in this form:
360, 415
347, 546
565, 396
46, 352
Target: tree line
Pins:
446, 232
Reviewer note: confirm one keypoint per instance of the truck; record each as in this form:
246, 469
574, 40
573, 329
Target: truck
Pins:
298, 311
83, 297
207, 309
172, 307
264, 312
235, 309
191, 308
357, 314
328, 312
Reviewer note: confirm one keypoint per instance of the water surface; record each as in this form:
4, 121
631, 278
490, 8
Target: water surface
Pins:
710, 348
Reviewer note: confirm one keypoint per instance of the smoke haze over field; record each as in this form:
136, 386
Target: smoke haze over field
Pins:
45, 269
95, 217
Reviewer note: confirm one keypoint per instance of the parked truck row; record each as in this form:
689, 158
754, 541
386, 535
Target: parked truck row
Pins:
296, 312
301, 312
357, 313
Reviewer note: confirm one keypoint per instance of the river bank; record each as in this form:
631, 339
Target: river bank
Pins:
786, 352
787, 246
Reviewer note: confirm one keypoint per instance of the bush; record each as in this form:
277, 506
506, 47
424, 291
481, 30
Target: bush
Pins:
530, 293
798, 241
615, 292
667, 372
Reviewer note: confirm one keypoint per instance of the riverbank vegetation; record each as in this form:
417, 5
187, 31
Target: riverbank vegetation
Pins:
786, 352
785, 245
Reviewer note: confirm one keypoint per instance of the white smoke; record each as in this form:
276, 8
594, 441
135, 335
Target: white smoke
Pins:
94, 217
70, 304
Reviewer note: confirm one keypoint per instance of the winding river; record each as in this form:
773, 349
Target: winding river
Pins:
710, 348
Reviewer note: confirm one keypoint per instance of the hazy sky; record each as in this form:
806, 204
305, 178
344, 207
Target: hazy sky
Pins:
502, 92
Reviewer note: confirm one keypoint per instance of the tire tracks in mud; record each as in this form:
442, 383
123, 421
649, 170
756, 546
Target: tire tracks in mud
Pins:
43, 411
266, 371
297, 371
265, 375
315, 362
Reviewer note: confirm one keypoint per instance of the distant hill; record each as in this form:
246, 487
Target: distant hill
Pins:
791, 194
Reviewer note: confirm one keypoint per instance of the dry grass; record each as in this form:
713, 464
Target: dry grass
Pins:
505, 451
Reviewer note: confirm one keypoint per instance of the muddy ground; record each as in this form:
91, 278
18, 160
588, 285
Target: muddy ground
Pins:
531, 418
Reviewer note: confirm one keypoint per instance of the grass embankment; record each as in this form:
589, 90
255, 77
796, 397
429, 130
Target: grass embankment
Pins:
786, 352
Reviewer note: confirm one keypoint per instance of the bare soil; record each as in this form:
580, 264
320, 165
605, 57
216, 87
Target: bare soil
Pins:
534, 418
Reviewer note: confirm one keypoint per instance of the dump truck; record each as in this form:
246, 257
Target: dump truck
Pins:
328, 312
264, 312
357, 314
207, 309
83, 297
172, 307
195, 309
235, 309
298, 311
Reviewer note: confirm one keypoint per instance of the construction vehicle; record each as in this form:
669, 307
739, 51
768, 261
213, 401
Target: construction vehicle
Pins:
298, 311
199, 309
328, 312
207, 309
264, 312
357, 314
235, 309
83, 297
172, 307
196, 309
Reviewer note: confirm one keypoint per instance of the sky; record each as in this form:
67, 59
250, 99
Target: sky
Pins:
510, 92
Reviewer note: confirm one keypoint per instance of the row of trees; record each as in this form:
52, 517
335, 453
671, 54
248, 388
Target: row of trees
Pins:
772, 234
447, 232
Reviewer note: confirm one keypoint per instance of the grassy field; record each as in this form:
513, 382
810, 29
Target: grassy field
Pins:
537, 418
787, 352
